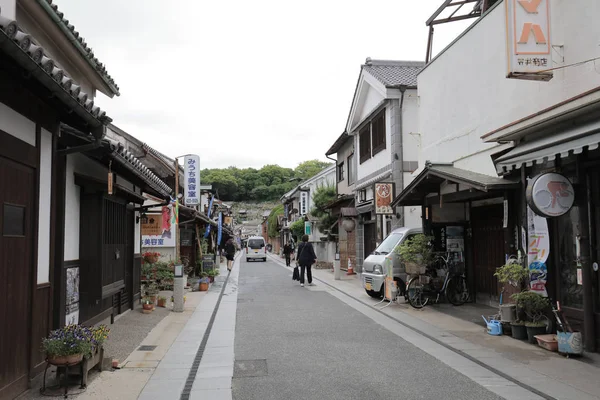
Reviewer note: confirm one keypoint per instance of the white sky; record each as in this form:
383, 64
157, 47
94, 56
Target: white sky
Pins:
246, 83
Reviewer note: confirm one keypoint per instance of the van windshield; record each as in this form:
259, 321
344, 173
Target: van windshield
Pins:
255, 243
389, 243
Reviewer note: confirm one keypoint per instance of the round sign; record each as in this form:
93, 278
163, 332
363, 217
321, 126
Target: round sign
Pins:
550, 195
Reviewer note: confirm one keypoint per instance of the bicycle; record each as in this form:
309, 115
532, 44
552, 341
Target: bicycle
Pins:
421, 288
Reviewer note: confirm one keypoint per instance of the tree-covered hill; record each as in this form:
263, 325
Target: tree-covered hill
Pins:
268, 183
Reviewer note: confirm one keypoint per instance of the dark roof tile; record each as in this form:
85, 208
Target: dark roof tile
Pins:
394, 73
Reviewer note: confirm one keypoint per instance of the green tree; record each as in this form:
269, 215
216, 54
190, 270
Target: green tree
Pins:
308, 169
222, 181
272, 221
297, 229
324, 195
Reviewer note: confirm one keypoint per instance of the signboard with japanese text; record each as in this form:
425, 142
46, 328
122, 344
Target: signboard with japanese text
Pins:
192, 180
384, 195
528, 45
157, 230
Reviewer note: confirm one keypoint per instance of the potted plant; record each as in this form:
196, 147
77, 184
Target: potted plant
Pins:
68, 345
212, 274
147, 305
416, 253
514, 274
162, 301
203, 284
534, 307
150, 257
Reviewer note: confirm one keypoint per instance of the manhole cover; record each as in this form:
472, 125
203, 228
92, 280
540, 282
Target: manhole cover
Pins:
146, 348
250, 368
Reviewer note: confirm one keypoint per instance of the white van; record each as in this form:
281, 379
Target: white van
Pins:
256, 248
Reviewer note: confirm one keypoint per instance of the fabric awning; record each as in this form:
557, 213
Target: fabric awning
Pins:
538, 151
433, 175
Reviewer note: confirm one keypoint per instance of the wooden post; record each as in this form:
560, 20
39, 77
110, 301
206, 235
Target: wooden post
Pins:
177, 246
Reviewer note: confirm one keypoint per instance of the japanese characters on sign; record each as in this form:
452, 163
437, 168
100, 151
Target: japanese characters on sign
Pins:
384, 194
157, 230
192, 180
528, 39
538, 249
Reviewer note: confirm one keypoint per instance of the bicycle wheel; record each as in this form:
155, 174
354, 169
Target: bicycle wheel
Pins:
456, 291
415, 294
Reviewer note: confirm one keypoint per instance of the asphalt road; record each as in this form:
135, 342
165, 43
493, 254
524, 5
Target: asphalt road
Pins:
303, 343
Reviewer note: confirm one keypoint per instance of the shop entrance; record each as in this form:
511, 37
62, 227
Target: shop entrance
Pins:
488, 250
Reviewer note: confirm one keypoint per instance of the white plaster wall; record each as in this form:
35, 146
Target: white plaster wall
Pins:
137, 248
370, 100
43, 261
17, 125
342, 156
464, 97
410, 126
8, 8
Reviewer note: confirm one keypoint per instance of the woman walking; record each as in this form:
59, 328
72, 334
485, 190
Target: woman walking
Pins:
306, 258
229, 253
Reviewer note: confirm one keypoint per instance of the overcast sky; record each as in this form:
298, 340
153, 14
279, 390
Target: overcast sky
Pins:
245, 83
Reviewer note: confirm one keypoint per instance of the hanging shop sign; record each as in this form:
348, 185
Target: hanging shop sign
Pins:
207, 232
550, 195
384, 195
528, 39
538, 249
157, 229
220, 229
192, 180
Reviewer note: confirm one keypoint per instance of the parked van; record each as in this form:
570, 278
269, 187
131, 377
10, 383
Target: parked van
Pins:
256, 248
373, 275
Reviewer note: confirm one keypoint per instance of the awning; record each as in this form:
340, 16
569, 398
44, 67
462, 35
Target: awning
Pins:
365, 207
433, 175
538, 151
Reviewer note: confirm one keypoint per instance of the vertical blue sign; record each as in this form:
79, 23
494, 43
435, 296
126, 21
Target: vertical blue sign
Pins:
220, 231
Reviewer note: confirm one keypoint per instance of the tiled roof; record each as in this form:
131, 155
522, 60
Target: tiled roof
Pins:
79, 42
135, 163
23, 48
394, 73
339, 142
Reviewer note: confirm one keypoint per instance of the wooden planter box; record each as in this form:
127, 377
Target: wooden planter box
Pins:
86, 365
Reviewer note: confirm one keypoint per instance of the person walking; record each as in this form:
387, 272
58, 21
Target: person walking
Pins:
306, 258
229, 253
287, 252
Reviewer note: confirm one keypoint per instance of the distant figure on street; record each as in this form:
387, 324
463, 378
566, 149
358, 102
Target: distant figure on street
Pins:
287, 252
229, 253
306, 258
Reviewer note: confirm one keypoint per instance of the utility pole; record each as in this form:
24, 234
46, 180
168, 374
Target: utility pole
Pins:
177, 246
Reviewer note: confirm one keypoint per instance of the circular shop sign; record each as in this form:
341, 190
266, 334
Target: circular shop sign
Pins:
550, 195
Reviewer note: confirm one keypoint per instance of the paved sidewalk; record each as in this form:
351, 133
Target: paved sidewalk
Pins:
553, 375
212, 380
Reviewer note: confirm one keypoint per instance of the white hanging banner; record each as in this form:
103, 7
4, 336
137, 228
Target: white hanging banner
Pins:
528, 39
191, 182
538, 250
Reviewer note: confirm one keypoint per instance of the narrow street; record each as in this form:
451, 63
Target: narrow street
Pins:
305, 343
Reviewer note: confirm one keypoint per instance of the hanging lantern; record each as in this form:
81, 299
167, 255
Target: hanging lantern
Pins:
348, 224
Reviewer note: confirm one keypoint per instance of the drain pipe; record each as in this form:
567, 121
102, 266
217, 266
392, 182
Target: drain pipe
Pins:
398, 155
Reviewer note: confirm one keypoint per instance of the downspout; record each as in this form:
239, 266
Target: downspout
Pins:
398, 154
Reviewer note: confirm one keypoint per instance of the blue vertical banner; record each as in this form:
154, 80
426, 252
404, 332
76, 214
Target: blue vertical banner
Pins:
209, 212
220, 229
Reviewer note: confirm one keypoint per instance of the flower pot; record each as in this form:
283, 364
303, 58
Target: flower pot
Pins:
519, 331
532, 331
203, 286
508, 312
211, 279
162, 302
506, 328
147, 306
65, 360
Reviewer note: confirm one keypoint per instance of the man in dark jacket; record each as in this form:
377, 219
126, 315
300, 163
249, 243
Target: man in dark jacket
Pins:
230, 253
287, 252
306, 258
